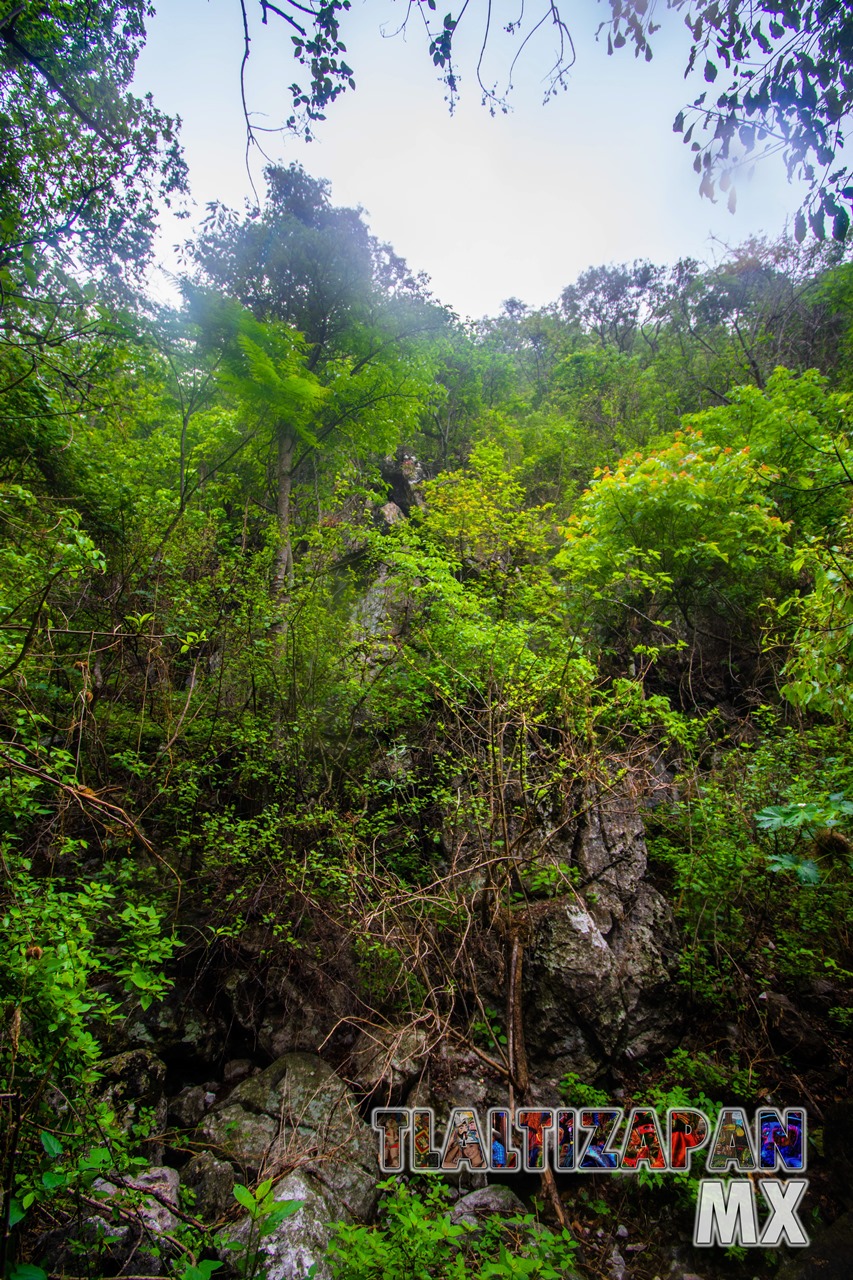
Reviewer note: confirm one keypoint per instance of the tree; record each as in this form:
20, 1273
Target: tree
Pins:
84, 165
269, 377
790, 87
302, 266
84, 161
615, 303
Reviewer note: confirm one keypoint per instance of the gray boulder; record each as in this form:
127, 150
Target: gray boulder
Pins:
485, 1203
298, 1114
299, 1242
387, 1062
136, 1222
188, 1106
212, 1184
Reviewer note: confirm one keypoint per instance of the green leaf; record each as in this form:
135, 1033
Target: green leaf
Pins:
16, 1213
201, 1271
51, 1145
277, 1215
840, 225
244, 1197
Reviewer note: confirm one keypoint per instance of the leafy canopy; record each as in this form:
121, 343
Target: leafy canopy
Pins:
83, 162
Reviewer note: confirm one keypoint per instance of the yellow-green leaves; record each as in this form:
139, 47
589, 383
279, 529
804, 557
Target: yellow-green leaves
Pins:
685, 520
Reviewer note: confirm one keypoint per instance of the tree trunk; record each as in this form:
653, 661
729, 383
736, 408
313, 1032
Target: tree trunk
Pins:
284, 559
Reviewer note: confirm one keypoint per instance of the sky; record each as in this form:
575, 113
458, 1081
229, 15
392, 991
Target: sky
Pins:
514, 205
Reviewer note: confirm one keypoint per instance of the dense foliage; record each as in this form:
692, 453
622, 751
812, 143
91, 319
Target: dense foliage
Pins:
315, 604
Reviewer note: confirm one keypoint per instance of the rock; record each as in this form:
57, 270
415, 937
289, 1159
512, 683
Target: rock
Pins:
383, 608
132, 1084
617, 1266
283, 1015
236, 1070
589, 998
129, 1227
677, 1267
298, 1112
301, 1241
477, 1205
388, 1062
212, 1182
601, 962
457, 1078
610, 847
404, 477
187, 1107
161, 1186
389, 515
177, 1029
830, 1256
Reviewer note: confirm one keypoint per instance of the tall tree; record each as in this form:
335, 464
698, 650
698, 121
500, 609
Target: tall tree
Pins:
83, 162
305, 266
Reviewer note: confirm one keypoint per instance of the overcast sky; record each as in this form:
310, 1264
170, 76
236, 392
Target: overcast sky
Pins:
490, 208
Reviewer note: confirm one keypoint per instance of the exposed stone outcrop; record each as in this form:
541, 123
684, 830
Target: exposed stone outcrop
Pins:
301, 1241
386, 1062
212, 1183
599, 957
135, 1222
298, 1113
178, 1028
403, 475
600, 963
133, 1084
283, 1015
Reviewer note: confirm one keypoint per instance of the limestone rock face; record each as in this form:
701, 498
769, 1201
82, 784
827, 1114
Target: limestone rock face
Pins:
600, 957
404, 476
299, 1242
600, 964
212, 1183
133, 1083
288, 1016
298, 1113
387, 1062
